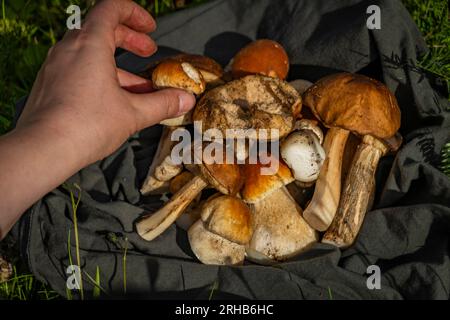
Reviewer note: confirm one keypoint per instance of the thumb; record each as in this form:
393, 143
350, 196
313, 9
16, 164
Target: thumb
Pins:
152, 108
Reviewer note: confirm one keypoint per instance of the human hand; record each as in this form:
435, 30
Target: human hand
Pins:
81, 94
82, 107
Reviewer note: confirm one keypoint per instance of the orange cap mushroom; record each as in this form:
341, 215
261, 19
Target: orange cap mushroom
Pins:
265, 57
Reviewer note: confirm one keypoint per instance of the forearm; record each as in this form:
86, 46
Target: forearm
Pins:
32, 162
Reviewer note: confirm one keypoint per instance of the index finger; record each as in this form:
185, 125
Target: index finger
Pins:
106, 16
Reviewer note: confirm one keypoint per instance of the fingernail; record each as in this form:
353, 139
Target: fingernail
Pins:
187, 102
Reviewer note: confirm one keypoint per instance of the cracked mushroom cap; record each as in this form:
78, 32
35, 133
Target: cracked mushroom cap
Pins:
210, 69
265, 57
228, 217
356, 103
252, 102
258, 186
175, 74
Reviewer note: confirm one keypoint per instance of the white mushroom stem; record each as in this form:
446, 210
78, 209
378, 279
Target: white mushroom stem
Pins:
279, 231
162, 169
178, 121
152, 226
167, 169
324, 203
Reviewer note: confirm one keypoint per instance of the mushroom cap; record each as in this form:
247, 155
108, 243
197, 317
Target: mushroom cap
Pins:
258, 186
302, 152
224, 177
265, 57
209, 68
228, 217
252, 102
221, 175
175, 74
356, 103
211, 248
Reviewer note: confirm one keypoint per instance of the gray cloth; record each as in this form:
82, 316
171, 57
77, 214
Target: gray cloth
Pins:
406, 235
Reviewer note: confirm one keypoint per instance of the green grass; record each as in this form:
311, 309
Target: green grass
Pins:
431, 16
29, 27
24, 286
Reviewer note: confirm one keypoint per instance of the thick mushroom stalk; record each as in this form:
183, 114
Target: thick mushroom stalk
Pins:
161, 169
322, 208
279, 230
151, 227
192, 213
358, 192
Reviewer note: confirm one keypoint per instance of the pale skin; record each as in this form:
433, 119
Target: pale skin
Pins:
82, 107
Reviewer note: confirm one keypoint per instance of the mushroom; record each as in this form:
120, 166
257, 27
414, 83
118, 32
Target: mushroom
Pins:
221, 234
211, 71
373, 114
264, 57
302, 151
253, 102
191, 213
170, 74
226, 178
279, 231
175, 74
320, 98
182, 75
359, 190
161, 169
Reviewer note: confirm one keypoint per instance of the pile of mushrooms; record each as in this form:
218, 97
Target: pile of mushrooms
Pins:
328, 154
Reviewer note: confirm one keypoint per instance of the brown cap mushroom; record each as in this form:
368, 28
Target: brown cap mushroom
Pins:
223, 230
265, 57
367, 108
253, 102
175, 74
355, 103
224, 177
279, 231
258, 186
228, 217
345, 102
210, 69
